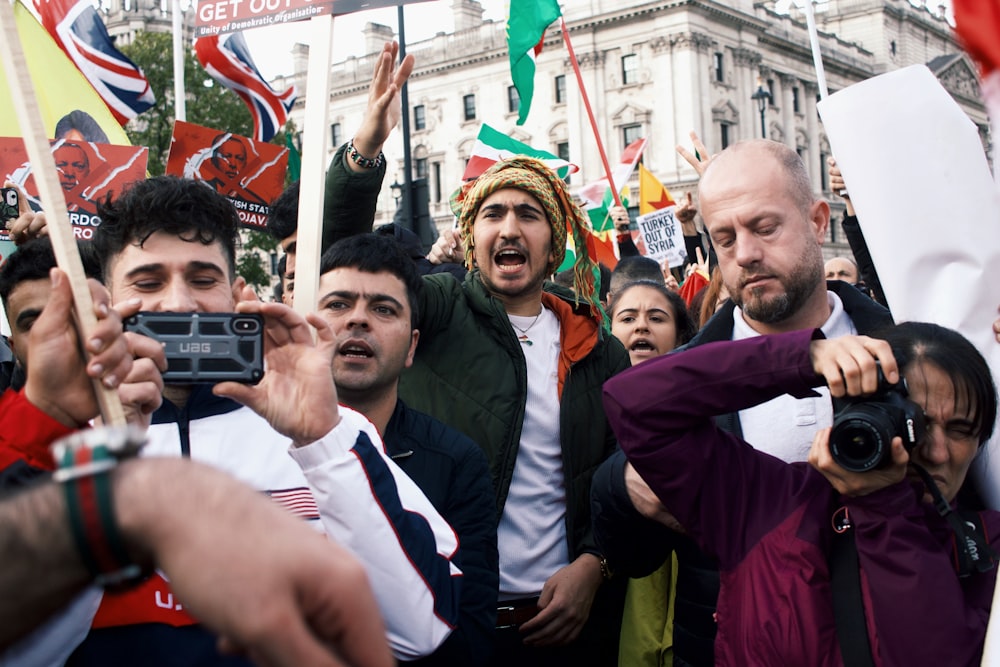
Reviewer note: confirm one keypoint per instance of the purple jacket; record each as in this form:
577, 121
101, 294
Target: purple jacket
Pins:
768, 522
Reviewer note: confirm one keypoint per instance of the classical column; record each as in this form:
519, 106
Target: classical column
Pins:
581, 134
746, 64
809, 92
788, 108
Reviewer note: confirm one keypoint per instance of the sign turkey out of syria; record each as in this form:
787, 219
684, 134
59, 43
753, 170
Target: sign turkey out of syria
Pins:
217, 17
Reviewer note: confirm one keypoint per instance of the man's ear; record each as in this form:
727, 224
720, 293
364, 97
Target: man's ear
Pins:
414, 337
819, 219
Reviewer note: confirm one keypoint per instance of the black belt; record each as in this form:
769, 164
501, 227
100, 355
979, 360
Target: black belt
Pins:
515, 613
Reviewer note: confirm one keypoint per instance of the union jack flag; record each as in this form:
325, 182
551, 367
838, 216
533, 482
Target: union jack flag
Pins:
231, 64
80, 33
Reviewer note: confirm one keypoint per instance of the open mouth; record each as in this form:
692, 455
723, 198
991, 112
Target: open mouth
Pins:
642, 345
509, 260
356, 350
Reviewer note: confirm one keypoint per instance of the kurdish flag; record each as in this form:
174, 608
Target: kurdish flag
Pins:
493, 146
526, 24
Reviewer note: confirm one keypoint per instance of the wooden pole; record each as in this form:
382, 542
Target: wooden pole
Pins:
22, 97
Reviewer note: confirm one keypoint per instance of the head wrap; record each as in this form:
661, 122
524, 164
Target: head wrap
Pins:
534, 177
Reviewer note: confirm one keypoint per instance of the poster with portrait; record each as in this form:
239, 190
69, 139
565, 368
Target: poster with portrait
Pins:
251, 174
88, 173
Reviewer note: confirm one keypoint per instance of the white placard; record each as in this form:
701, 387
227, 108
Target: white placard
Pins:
662, 237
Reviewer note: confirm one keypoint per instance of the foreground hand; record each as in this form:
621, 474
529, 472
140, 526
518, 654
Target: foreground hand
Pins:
29, 224
296, 395
700, 158
447, 249
142, 391
272, 588
848, 364
996, 328
384, 108
59, 382
565, 603
856, 484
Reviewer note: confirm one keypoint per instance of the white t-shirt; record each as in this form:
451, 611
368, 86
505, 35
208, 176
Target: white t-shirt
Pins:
531, 536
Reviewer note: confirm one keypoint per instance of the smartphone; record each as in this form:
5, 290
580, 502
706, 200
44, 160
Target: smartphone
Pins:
206, 347
8, 204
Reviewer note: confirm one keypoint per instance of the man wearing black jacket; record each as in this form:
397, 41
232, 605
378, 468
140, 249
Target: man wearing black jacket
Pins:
767, 230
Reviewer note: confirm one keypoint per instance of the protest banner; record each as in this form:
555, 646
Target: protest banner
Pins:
216, 17
251, 174
88, 172
661, 235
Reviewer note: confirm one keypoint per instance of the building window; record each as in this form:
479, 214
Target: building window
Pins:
561, 89
720, 72
469, 107
419, 117
562, 150
630, 69
770, 89
420, 167
630, 134
824, 174
795, 100
724, 135
513, 99
336, 135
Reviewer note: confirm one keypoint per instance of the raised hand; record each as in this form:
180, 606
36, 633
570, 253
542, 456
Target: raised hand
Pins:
384, 108
700, 158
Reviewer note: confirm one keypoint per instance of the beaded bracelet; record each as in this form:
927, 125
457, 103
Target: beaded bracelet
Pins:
361, 160
86, 460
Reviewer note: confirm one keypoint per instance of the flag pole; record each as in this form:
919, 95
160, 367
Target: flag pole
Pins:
177, 26
814, 45
590, 112
314, 163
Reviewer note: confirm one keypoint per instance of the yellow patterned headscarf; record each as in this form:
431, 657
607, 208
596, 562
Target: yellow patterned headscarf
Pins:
534, 177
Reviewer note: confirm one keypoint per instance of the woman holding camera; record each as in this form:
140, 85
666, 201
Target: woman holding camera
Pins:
775, 527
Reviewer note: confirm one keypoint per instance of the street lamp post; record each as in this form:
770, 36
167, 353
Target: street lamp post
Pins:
761, 96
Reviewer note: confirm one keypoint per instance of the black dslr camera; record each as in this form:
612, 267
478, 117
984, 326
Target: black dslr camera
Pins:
864, 426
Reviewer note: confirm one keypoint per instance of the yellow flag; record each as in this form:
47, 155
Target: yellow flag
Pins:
652, 195
59, 85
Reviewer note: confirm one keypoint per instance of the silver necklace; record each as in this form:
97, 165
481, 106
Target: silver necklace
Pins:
523, 338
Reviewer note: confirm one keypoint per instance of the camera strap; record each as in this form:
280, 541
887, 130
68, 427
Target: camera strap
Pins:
974, 553
845, 586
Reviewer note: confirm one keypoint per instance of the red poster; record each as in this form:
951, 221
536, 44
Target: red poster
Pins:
88, 173
251, 174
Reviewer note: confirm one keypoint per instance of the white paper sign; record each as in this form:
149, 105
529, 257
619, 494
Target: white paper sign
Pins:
660, 232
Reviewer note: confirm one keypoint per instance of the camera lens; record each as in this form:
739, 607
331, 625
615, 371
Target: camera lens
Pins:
860, 438
245, 325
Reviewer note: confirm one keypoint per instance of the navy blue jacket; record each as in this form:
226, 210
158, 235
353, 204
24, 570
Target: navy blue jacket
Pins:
453, 473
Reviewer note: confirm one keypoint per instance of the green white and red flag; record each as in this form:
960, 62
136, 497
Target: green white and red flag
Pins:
492, 146
527, 21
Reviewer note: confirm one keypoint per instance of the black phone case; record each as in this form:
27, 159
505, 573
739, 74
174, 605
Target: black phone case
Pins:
206, 347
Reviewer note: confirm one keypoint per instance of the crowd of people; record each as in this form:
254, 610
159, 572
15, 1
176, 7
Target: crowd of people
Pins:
457, 460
